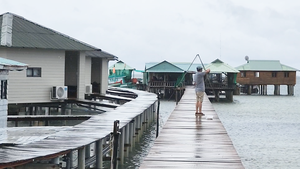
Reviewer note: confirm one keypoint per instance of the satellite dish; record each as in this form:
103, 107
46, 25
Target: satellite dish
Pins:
247, 58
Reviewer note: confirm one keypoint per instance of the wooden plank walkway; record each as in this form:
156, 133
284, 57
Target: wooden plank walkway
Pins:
190, 141
21, 145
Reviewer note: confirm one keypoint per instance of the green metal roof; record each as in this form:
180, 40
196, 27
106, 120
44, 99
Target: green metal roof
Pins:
217, 66
27, 34
182, 65
163, 67
264, 65
11, 64
121, 66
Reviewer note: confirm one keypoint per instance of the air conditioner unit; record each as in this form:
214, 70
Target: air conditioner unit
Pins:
60, 92
88, 89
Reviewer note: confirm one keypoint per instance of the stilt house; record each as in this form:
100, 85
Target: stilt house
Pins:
6, 66
221, 79
168, 78
59, 67
119, 73
256, 75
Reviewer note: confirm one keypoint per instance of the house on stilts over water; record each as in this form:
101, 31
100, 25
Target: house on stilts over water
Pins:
168, 78
122, 75
221, 80
256, 75
171, 78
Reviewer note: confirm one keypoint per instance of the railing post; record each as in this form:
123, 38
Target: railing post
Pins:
116, 142
157, 118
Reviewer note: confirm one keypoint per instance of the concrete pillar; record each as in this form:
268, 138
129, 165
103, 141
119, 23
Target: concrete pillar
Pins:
55, 160
104, 76
264, 90
131, 134
249, 91
121, 145
69, 160
290, 90
229, 95
81, 158
217, 96
87, 152
276, 89
81, 75
127, 140
99, 153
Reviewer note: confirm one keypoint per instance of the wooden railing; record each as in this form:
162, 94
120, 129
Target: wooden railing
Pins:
218, 86
162, 84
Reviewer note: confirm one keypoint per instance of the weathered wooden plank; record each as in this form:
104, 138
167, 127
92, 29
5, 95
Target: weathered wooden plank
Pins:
192, 141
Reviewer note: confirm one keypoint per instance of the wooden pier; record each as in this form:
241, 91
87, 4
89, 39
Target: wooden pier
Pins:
190, 141
85, 145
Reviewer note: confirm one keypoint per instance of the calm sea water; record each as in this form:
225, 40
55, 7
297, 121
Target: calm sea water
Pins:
265, 130
142, 148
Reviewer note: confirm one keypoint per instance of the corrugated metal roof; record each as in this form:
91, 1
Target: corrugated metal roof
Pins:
164, 66
28, 34
11, 64
217, 66
182, 65
265, 65
120, 65
100, 53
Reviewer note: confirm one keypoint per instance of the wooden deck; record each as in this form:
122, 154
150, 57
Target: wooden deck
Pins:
189, 141
21, 145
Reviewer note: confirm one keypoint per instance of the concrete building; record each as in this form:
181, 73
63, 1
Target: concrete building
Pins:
56, 62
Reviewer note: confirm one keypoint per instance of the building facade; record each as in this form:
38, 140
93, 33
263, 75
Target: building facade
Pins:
256, 75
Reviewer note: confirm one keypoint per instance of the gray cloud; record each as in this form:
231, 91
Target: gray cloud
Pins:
140, 31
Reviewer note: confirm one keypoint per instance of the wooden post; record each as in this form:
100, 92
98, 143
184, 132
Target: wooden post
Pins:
116, 142
157, 116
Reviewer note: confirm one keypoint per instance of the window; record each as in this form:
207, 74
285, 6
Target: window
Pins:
3, 89
274, 74
286, 74
34, 72
243, 74
256, 74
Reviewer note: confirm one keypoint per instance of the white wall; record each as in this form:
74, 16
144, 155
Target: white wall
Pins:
22, 89
104, 76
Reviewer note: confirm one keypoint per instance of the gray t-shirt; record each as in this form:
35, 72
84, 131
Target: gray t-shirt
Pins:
199, 82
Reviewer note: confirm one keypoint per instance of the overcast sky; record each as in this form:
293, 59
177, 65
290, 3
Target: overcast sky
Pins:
140, 31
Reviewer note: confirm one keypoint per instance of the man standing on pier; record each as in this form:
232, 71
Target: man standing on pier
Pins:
200, 88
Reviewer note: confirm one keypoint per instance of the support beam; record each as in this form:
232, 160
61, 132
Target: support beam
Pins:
81, 158
276, 89
99, 153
